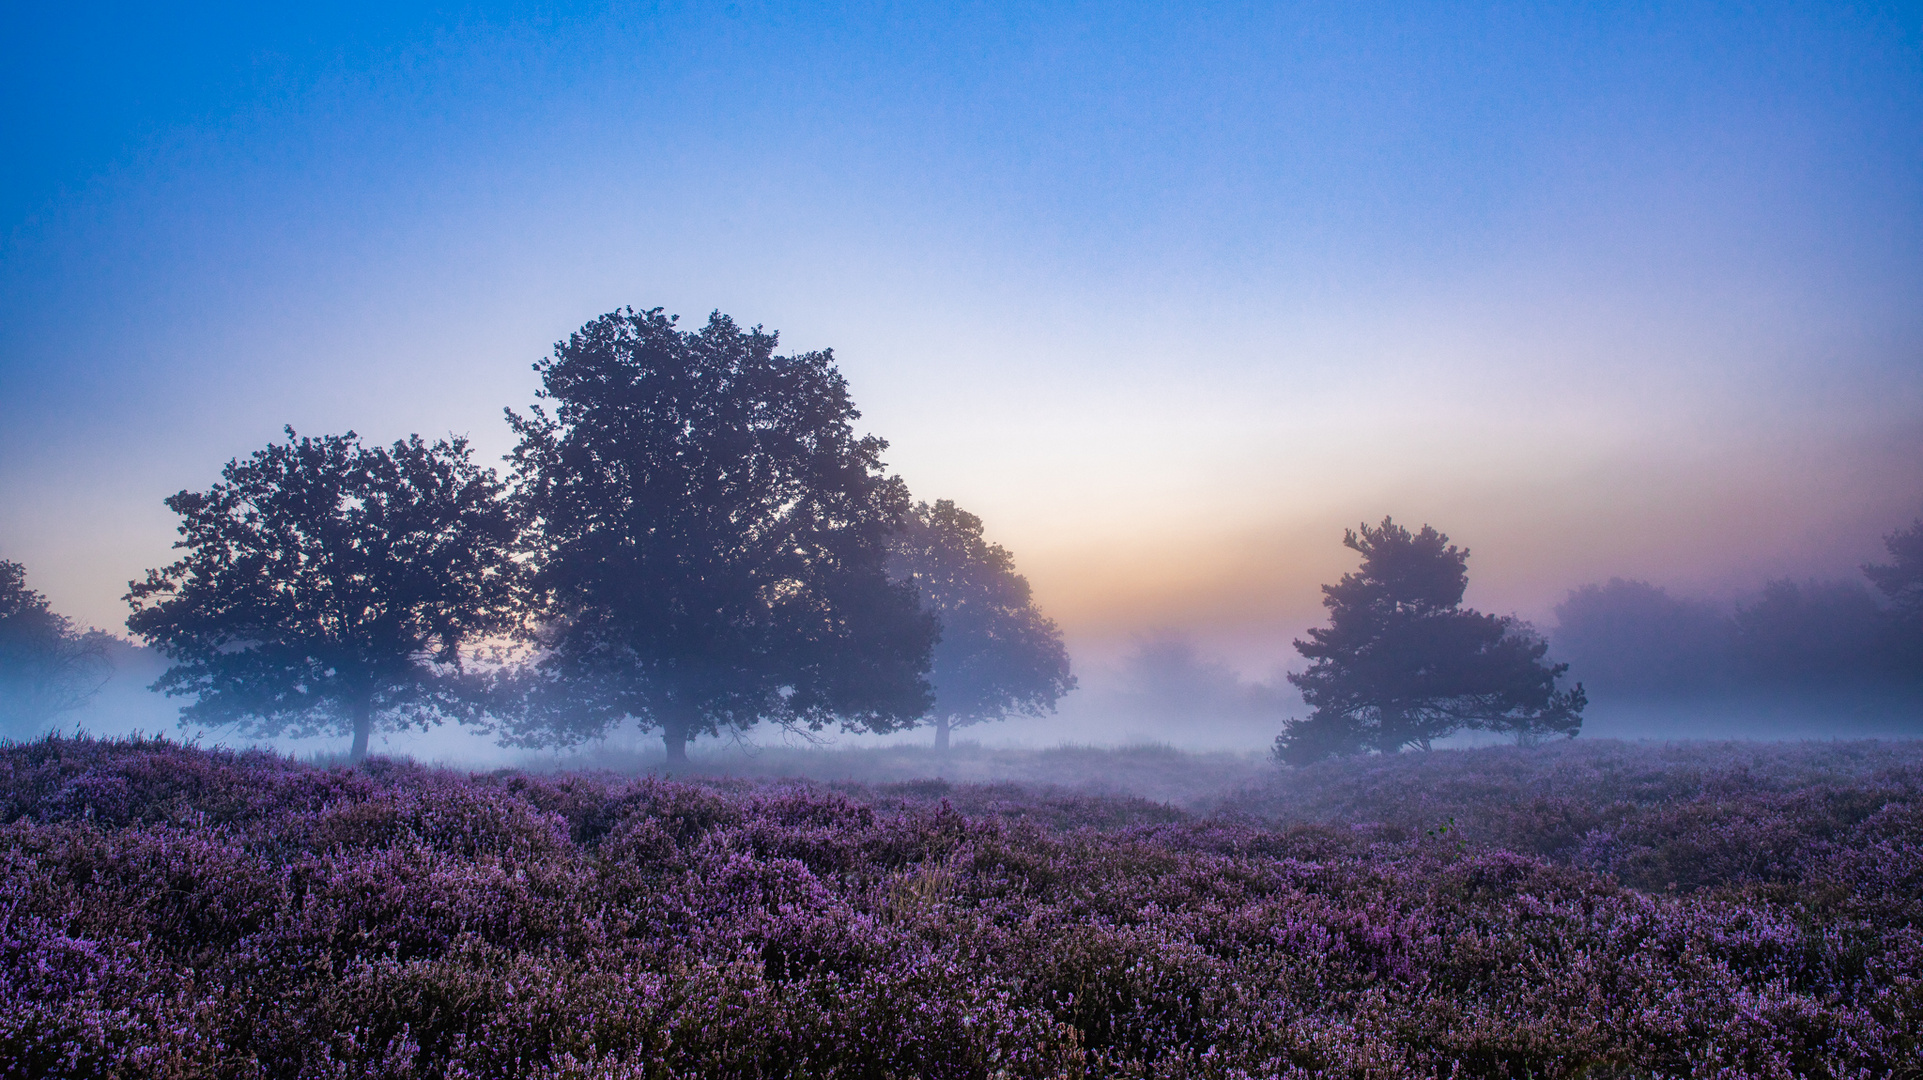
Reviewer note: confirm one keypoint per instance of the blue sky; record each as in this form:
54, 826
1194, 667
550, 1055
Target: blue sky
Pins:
1168, 295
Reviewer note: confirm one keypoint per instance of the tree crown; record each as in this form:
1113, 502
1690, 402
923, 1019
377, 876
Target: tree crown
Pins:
996, 654
1402, 663
709, 538
1901, 579
1402, 571
322, 577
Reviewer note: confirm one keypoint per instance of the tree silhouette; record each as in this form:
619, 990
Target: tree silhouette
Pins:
46, 667
1403, 664
329, 587
997, 653
1634, 640
1814, 636
1901, 580
710, 538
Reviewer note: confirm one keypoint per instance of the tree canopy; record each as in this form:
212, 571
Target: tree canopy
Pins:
997, 654
709, 541
46, 666
1634, 640
1833, 643
1402, 663
329, 587
1901, 581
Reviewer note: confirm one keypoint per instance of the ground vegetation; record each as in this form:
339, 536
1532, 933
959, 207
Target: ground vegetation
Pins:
174, 912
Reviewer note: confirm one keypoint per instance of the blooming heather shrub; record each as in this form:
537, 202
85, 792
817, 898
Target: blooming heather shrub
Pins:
1690, 815
172, 912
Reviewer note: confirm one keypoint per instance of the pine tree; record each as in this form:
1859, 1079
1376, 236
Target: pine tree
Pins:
1403, 664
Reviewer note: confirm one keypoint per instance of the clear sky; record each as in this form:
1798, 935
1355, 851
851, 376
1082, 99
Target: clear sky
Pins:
1169, 294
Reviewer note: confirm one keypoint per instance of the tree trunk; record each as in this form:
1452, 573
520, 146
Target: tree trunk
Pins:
363, 728
674, 735
941, 734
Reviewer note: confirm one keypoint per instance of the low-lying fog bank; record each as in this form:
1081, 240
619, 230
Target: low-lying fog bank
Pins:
1157, 772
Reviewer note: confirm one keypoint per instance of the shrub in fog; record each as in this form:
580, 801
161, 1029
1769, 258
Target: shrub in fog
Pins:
1402, 663
708, 539
996, 653
329, 587
46, 666
1166, 677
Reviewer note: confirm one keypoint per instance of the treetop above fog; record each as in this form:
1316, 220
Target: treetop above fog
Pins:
708, 537
1408, 572
330, 586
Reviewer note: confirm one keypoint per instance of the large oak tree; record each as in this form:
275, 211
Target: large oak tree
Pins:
329, 587
710, 538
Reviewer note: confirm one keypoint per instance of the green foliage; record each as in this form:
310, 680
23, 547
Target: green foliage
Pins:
997, 654
709, 538
46, 666
1403, 664
329, 587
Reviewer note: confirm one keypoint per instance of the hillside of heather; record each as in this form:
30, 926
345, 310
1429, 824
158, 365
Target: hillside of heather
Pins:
1587, 909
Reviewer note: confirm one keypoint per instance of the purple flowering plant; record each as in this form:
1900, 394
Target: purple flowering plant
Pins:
1582, 910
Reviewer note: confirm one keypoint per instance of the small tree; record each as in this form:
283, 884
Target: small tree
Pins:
997, 654
1901, 580
46, 666
709, 541
329, 587
1403, 664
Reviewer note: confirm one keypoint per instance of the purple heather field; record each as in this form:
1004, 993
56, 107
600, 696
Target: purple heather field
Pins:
1587, 909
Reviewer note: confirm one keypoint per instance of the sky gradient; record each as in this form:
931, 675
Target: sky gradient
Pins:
1168, 297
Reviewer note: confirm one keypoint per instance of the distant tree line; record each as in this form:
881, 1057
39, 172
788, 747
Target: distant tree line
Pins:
47, 666
1632, 640
691, 537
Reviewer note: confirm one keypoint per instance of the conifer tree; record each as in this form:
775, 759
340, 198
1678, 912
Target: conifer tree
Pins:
1403, 664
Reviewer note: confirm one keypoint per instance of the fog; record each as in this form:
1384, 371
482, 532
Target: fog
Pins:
1789, 660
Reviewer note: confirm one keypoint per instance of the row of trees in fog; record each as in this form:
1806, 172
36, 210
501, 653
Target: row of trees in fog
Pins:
1836, 638
690, 536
